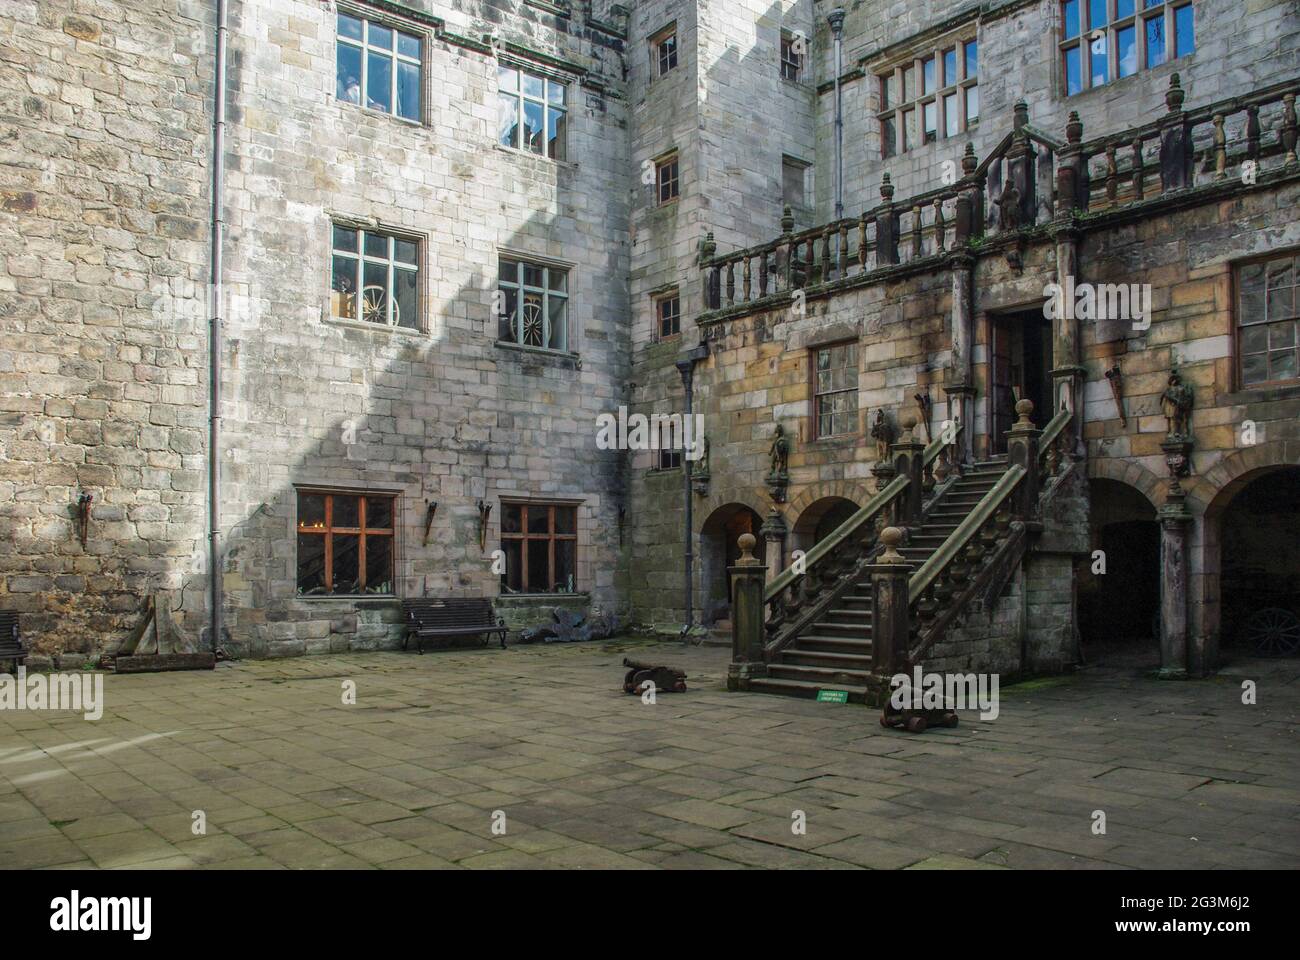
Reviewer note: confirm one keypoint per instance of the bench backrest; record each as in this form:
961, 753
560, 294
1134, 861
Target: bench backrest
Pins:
450, 611
8, 625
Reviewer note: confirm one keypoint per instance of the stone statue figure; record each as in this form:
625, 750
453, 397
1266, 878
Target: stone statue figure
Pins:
882, 431
1176, 405
779, 452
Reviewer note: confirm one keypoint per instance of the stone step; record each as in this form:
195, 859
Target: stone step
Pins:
803, 688
833, 678
820, 658
860, 645
850, 631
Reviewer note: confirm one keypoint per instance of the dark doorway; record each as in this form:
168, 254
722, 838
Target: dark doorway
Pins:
719, 550
1260, 579
1119, 609
1020, 368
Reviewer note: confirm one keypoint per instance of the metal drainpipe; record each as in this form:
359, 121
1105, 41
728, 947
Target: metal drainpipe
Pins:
836, 20
686, 367
214, 330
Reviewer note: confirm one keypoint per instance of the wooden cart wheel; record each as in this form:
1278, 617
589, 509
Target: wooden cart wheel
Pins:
1273, 632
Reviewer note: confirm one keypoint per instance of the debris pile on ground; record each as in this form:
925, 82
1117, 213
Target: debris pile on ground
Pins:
570, 626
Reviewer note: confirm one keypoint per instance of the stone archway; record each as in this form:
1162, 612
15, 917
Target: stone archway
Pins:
1119, 582
820, 519
719, 533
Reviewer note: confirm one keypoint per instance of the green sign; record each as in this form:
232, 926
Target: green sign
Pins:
832, 696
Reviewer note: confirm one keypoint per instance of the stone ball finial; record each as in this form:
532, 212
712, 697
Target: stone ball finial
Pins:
746, 543
1023, 409
891, 537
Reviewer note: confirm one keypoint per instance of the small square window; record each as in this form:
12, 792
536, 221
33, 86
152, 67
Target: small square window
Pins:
663, 50
668, 312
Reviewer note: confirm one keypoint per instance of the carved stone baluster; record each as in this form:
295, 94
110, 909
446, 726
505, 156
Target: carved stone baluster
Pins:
862, 242
1112, 175
731, 281
825, 273
1252, 132
1138, 172
886, 225
1289, 126
842, 264
940, 228
762, 270
916, 232
1220, 149
745, 273
791, 252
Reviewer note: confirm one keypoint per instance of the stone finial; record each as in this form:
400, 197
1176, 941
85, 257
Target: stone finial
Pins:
1021, 113
891, 537
787, 220
746, 543
969, 161
886, 188
909, 422
1074, 128
1023, 409
1174, 95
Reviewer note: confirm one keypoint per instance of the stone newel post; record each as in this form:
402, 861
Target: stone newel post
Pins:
774, 531
748, 577
909, 454
890, 626
1022, 449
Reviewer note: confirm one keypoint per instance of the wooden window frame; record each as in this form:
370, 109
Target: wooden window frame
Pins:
1238, 327
362, 532
392, 265
661, 302
523, 537
394, 55
549, 297
662, 179
791, 62
665, 61
817, 394
1164, 10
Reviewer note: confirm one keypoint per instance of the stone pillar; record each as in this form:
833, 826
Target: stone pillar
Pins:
961, 378
748, 577
1175, 529
1067, 373
908, 454
1022, 449
890, 623
774, 531
1176, 153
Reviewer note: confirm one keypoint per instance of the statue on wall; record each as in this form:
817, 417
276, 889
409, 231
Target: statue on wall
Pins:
883, 432
1176, 405
779, 453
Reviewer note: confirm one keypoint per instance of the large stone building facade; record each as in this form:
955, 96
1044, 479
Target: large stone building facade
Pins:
455, 235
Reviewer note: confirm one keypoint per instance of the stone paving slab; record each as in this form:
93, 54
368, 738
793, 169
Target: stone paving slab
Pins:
533, 758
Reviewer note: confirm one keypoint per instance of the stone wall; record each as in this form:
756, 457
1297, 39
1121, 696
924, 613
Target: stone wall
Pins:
104, 167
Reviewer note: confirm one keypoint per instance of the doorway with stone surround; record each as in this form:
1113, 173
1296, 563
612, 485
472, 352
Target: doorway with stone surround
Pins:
1020, 368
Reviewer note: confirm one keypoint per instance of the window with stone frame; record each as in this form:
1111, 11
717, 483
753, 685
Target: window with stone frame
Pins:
835, 390
793, 47
933, 94
669, 442
663, 50
668, 315
375, 277
532, 112
345, 543
533, 300
667, 179
540, 542
378, 66
1106, 40
1268, 320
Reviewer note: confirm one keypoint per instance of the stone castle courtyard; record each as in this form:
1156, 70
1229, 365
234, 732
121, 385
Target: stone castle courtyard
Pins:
439, 747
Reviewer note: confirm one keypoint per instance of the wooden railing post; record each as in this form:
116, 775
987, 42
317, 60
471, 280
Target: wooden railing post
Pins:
1022, 450
886, 225
748, 577
890, 621
1175, 141
909, 461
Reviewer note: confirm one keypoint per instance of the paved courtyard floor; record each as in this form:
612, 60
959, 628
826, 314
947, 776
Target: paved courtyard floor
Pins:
440, 748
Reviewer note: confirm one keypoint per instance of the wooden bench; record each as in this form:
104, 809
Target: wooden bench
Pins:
432, 617
11, 641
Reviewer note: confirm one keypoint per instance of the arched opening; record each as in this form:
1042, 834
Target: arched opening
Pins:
1259, 564
819, 520
1119, 583
719, 550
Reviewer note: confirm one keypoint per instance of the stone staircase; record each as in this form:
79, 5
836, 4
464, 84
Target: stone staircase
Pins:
835, 651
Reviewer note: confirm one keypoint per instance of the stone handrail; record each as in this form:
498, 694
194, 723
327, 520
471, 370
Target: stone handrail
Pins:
794, 600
